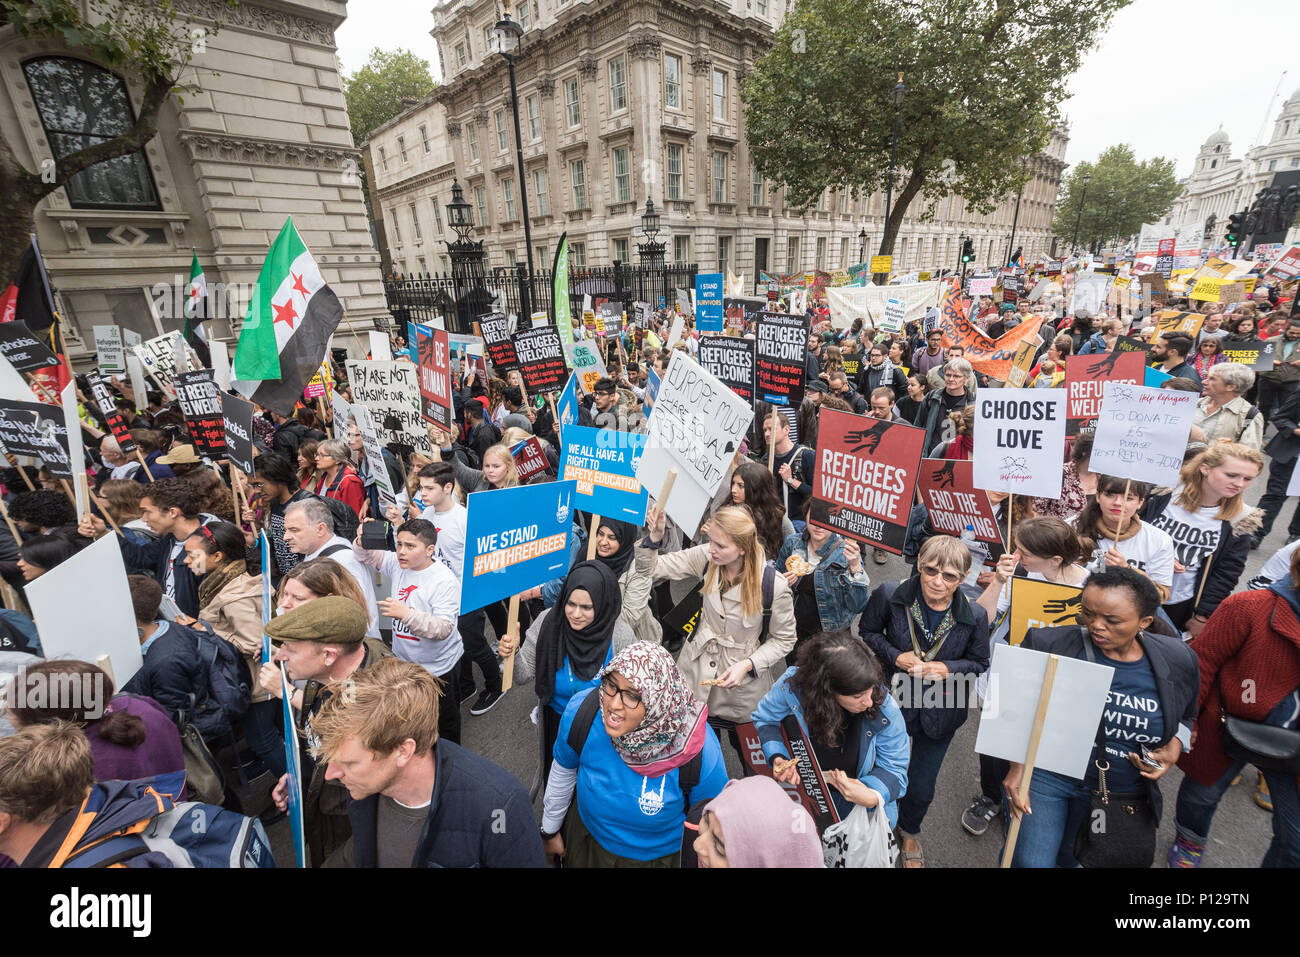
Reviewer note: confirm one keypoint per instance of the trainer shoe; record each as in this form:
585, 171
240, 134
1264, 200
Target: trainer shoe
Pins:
975, 819
1185, 855
468, 693
1262, 797
486, 701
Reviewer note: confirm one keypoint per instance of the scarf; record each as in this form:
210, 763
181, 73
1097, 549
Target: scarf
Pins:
933, 640
218, 579
676, 722
961, 448
1131, 528
626, 535
755, 817
585, 649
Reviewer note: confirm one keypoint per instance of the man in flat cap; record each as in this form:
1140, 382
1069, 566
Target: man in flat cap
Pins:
324, 643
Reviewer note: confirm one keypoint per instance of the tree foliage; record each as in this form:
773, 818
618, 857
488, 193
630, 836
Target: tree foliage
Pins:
1122, 194
984, 79
374, 93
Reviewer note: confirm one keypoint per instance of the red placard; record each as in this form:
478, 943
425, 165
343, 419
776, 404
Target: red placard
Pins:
435, 375
949, 494
1165, 247
866, 471
1084, 377
530, 459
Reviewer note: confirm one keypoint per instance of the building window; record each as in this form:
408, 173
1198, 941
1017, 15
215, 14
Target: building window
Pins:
622, 176
719, 177
397, 230
821, 253
620, 250
511, 259
792, 254
401, 147
502, 143
724, 253
844, 252
577, 255
758, 188
572, 111
681, 249
526, 15
437, 216
760, 6
719, 96
480, 200
462, 56
617, 85
415, 224
539, 191
1213, 163
383, 158
489, 40
541, 254
508, 192
80, 105
472, 136
534, 106
578, 177
424, 138
1295, 162
674, 182
1272, 165
673, 82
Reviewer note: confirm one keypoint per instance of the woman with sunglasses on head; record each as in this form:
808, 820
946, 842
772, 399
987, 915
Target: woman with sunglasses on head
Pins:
631, 757
924, 630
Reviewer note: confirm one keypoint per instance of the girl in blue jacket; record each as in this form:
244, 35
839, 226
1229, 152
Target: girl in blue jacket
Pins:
853, 726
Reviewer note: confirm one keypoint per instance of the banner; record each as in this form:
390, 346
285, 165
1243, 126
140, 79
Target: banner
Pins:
24, 351
695, 428
1258, 354
1039, 604
530, 459
435, 375
103, 397
541, 358
1084, 377
515, 538
708, 302
949, 494
36, 429
867, 302
1020, 438
781, 358
566, 406
364, 417
866, 472
390, 390
603, 463
1142, 433
992, 357
237, 424
560, 296
110, 353
731, 360
588, 366
201, 405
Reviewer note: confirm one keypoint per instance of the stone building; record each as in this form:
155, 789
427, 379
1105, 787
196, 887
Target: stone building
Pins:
624, 100
264, 135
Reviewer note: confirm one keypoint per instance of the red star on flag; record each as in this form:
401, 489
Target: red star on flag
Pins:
299, 287
285, 313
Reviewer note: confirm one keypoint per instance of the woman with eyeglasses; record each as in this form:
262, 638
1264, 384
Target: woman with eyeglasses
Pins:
924, 630
631, 757
338, 479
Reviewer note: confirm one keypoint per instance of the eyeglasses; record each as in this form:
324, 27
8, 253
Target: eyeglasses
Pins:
934, 571
610, 690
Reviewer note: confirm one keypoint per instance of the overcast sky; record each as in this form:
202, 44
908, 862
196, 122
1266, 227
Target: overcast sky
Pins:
1163, 78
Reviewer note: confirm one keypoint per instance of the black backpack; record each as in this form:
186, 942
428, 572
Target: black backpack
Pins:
225, 683
345, 520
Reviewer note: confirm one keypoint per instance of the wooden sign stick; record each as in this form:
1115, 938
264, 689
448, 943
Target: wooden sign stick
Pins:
1011, 515
512, 632
1035, 735
1120, 531
144, 464
13, 529
591, 539
662, 500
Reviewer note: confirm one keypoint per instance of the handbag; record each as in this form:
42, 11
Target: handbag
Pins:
203, 775
1266, 746
1120, 830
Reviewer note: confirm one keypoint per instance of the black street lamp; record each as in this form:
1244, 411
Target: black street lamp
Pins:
466, 259
651, 252
900, 91
1074, 244
509, 35
1110, 215
862, 244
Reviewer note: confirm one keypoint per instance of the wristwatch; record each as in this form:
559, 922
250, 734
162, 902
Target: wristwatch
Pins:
546, 836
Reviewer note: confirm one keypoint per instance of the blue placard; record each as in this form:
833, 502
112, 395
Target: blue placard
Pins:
708, 302
652, 382
412, 349
603, 464
266, 596
294, 764
662, 302
515, 538
1154, 377
566, 406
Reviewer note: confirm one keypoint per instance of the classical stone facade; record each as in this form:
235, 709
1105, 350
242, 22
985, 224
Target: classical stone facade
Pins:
264, 135
620, 100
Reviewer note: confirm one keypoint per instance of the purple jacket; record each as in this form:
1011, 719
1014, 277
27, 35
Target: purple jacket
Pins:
160, 753
923, 362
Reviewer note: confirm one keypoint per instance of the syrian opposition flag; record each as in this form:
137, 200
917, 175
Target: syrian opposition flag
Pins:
289, 323
30, 300
196, 300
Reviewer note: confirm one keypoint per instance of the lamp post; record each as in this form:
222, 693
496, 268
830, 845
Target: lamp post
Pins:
651, 252
899, 92
1015, 219
862, 244
466, 258
509, 35
1074, 244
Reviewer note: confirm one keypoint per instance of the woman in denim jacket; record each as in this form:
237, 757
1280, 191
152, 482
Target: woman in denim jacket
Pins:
833, 594
852, 724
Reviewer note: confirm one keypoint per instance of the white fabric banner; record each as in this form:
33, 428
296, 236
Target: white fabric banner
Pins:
866, 301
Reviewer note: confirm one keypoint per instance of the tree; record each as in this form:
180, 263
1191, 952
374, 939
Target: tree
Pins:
983, 77
1122, 194
375, 92
148, 41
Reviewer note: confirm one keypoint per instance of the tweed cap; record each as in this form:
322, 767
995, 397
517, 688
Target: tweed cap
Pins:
333, 620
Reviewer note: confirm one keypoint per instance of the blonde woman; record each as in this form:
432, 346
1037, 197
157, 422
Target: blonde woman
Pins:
498, 468
738, 643
120, 498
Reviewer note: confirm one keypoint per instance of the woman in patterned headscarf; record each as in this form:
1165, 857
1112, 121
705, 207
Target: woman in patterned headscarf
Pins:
636, 771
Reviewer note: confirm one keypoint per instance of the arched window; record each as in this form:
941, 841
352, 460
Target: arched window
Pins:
82, 104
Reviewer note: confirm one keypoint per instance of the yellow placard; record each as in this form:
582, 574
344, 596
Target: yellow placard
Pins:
923, 277
1121, 282
1036, 604
1211, 289
1171, 320
882, 263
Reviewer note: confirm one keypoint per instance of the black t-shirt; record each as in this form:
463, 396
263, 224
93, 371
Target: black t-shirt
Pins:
843, 757
807, 619
794, 498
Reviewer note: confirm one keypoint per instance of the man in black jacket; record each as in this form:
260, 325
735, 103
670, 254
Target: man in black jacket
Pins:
171, 674
1282, 450
482, 433
415, 801
1170, 352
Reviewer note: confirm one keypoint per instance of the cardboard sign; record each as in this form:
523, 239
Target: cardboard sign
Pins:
1020, 435
566, 406
103, 397
201, 405
237, 423
588, 366
781, 358
1039, 604
374, 450
1215, 289
530, 459
1142, 433
36, 429
731, 360
603, 463
895, 312
1171, 320
1258, 354
515, 538
435, 376
695, 428
541, 359
110, 353
24, 351
391, 391
708, 301
949, 494
495, 329
882, 264
1084, 377
866, 472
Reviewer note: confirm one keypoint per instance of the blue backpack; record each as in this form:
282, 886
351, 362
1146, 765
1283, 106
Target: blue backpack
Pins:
226, 682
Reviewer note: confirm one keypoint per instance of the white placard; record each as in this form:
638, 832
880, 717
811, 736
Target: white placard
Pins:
1090, 291
981, 287
374, 450
13, 385
895, 310
391, 388
675, 333
1293, 487
1079, 694
100, 621
138, 386
220, 364
109, 351
380, 346
1020, 438
76, 450
696, 427
1142, 433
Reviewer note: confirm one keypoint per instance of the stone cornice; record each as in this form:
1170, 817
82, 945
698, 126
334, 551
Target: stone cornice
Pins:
259, 19
264, 152
426, 178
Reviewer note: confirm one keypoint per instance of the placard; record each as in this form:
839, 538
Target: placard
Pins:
435, 376
731, 360
1040, 604
201, 404
950, 497
36, 429
708, 301
1142, 433
1090, 291
24, 351
1022, 362
162, 355
981, 287
381, 347
695, 428
866, 472
391, 391
895, 311
1020, 441
374, 451
781, 358
495, 329
588, 366
110, 353
675, 330
1084, 377
530, 459
237, 423
566, 406
1258, 354
541, 359
1171, 320
103, 397
515, 538
882, 264
603, 464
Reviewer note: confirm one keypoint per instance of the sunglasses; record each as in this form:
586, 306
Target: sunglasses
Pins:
934, 571
611, 690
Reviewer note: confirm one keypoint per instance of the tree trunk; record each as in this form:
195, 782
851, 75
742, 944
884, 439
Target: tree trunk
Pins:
915, 181
17, 222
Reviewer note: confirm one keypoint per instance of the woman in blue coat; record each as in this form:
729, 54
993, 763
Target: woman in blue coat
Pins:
830, 596
854, 727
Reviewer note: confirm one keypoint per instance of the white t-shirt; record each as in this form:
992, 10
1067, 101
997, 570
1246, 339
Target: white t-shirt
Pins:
432, 591
1276, 568
365, 578
1150, 551
451, 535
1195, 536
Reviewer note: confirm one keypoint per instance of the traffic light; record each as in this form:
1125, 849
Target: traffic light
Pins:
967, 251
1235, 230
